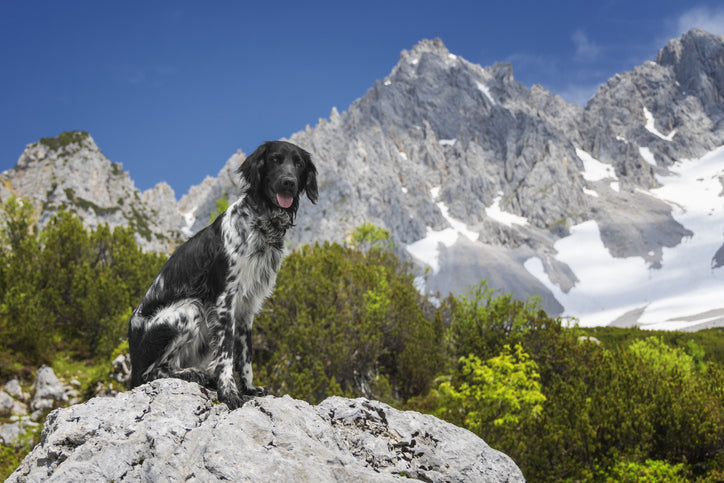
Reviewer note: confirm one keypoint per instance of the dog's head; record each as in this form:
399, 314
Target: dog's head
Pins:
277, 173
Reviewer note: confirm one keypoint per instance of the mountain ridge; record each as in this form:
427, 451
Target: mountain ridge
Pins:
477, 176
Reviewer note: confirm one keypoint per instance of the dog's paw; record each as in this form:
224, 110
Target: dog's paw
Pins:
201, 378
232, 400
257, 391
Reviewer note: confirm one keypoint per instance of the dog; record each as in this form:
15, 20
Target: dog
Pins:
194, 322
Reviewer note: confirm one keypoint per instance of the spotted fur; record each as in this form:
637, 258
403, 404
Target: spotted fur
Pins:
195, 321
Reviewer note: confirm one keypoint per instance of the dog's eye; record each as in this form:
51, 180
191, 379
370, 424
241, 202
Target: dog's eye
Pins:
275, 159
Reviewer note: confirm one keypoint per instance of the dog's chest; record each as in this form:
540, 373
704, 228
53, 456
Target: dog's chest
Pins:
255, 248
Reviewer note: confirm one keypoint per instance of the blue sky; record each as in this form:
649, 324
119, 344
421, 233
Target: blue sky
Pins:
171, 89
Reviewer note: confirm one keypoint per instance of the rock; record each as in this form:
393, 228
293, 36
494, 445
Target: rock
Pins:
70, 172
171, 430
121, 368
13, 388
14, 433
6, 404
9, 433
48, 390
10, 406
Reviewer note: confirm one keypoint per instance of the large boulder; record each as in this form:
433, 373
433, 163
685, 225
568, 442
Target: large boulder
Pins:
171, 430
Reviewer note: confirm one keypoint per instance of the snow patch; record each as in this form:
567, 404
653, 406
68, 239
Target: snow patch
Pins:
651, 127
427, 250
447, 142
508, 219
593, 169
648, 156
485, 90
457, 225
670, 297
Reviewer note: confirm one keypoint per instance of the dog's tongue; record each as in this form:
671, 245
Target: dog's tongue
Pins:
285, 201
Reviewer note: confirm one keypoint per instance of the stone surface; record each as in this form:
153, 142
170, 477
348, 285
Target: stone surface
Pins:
12, 387
170, 430
48, 390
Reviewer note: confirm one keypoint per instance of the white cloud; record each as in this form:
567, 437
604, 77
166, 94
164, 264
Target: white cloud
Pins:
586, 50
707, 18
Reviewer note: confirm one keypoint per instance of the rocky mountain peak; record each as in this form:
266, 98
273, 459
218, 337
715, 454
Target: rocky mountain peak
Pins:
697, 59
69, 172
66, 144
433, 46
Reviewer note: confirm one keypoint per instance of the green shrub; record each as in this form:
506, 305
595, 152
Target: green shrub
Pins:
650, 471
345, 322
66, 288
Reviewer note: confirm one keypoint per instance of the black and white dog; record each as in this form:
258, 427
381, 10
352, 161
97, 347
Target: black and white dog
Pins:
194, 322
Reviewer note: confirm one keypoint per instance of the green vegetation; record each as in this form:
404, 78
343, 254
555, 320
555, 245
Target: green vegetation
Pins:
87, 205
221, 205
64, 139
629, 405
64, 289
343, 322
116, 169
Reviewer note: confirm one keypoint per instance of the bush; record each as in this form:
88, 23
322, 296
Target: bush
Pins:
345, 322
648, 472
498, 394
67, 288
655, 405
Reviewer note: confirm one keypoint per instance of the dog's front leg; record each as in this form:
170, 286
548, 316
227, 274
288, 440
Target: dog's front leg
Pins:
224, 359
242, 357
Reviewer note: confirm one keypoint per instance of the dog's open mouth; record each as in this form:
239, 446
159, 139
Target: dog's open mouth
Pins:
284, 200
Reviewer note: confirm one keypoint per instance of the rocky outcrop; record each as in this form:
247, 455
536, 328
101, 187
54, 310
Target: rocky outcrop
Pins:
170, 430
69, 172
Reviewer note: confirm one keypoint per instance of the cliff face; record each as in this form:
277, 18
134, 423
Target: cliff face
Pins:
169, 430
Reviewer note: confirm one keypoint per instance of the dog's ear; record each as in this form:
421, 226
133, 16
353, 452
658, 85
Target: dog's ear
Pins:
310, 185
251, 168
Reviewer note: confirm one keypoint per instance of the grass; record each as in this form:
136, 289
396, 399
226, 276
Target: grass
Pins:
87, 372
10, 458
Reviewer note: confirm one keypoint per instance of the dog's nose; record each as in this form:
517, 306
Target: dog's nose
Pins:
289, 184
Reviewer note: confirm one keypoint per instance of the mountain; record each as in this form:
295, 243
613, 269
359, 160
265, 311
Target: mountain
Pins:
609, 212
477, 176
71, 172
